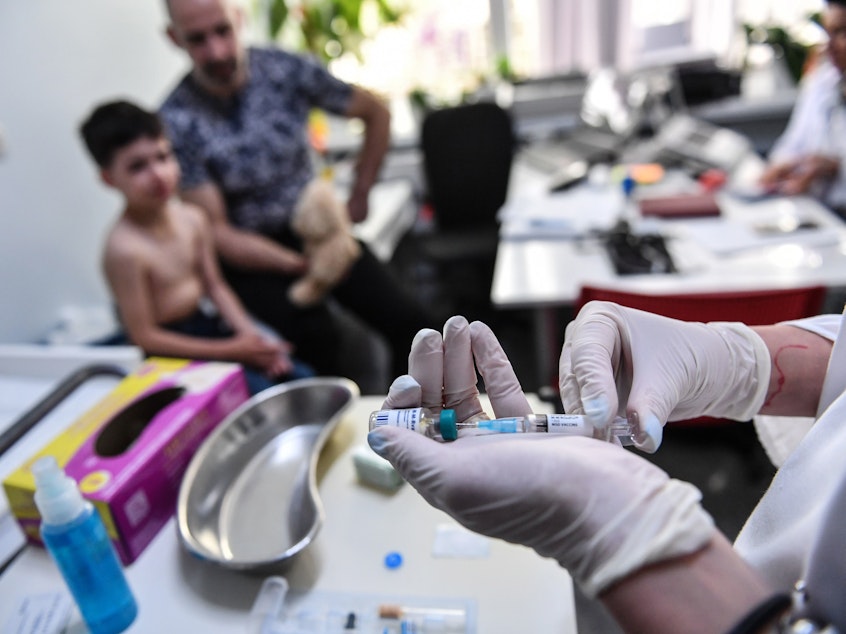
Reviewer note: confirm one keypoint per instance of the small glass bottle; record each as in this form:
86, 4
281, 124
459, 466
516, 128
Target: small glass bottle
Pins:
76, 538
443, 424
429, 422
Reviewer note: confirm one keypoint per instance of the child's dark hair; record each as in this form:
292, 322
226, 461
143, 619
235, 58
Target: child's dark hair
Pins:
116, 124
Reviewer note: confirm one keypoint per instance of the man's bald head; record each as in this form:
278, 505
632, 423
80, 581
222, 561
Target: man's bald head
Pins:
210, 32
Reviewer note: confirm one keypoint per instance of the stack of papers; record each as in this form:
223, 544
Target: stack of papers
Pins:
567, 215
726, 238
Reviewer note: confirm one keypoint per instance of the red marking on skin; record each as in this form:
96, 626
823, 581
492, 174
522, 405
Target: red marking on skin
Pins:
781, 378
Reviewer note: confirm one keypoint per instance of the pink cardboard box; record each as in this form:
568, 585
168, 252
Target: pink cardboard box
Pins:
129, 451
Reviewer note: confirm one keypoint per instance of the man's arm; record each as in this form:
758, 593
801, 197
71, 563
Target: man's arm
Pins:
377, 131
241, 248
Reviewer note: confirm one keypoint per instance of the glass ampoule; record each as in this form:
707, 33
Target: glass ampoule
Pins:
443, 424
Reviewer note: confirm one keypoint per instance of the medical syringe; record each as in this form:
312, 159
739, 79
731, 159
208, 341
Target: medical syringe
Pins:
444, 425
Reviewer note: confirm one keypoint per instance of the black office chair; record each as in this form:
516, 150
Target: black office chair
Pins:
467, 156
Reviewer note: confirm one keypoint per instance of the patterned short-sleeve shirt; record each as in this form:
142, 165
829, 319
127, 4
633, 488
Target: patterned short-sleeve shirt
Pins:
254, 146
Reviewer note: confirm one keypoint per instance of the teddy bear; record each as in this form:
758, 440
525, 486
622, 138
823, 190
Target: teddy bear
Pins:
321, 220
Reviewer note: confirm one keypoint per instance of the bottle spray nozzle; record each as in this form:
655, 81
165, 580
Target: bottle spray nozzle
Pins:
56, 495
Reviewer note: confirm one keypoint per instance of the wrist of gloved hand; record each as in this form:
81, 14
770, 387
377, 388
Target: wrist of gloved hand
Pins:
748, 377
671, 524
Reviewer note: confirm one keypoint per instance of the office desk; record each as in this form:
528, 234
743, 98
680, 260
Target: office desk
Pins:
762, 119
545, 268
514, 589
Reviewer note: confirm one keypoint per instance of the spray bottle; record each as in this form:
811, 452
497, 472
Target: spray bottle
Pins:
76, 538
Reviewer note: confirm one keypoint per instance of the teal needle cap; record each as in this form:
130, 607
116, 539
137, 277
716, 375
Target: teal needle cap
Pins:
449, 429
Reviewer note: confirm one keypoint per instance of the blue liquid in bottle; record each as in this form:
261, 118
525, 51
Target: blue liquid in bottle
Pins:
77, 540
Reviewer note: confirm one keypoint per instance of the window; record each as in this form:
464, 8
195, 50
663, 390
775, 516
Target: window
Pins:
449, 47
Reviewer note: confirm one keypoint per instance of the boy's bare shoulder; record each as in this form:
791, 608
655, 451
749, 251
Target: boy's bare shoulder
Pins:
124, 242
194, 213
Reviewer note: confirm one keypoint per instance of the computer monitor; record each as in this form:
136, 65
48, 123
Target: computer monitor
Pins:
626, 103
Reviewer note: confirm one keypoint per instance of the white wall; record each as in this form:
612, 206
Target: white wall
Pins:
59, 58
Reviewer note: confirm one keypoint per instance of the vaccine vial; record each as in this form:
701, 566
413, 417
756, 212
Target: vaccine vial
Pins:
443, 424
76, 538
429, 422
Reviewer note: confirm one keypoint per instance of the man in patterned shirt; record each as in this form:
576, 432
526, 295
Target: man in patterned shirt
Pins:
238, 123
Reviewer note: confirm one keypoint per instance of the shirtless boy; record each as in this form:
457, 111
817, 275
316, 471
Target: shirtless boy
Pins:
159, 257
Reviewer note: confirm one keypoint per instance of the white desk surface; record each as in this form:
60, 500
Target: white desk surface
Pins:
515, 590
549, 270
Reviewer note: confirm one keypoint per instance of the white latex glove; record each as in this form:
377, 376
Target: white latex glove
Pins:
653, 369
442, 373
599, 510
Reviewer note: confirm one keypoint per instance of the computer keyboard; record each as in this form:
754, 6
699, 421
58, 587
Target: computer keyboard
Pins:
634, 254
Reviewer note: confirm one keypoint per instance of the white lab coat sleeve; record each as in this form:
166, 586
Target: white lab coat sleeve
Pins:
807, 129
794, 140
826, 326
786, 529
824, 574
817, 127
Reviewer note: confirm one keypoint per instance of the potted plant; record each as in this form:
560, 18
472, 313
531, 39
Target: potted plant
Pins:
329, 28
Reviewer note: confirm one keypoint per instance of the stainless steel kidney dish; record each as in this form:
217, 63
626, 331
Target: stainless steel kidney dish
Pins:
249, 497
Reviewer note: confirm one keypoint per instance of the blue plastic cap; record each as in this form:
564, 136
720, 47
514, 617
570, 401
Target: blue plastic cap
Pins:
393, 560
449, 429
628, 185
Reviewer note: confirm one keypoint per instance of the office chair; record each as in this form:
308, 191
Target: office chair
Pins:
753, 308
467, 155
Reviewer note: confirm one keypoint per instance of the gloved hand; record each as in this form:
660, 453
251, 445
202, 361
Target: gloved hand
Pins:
599, 510
654, 369
442, 373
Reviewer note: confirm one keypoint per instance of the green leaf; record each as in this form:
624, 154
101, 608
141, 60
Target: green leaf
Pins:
350, 10
387, 13
277, 15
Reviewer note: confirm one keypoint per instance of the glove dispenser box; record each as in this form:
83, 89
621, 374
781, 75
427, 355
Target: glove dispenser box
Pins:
129, 451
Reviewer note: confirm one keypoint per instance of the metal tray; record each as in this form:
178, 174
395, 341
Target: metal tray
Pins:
249, 500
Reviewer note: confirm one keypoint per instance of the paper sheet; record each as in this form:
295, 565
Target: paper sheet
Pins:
570, 214
725, 238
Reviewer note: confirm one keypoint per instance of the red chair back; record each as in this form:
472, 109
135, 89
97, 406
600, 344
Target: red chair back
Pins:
753, 308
